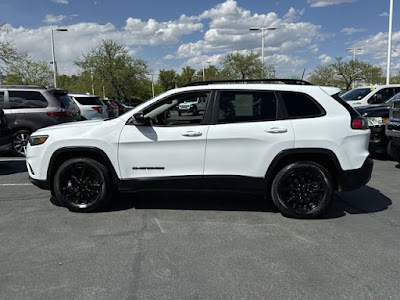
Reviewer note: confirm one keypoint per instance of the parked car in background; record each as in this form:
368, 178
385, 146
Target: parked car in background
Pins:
293, 142
132, 102
28, 108
112, 108
368, 95
392, 130
122, 108
193, 106
5, 134
91, 106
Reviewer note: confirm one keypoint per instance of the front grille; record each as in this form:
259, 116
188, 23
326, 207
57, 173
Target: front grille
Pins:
396, 104
396, 114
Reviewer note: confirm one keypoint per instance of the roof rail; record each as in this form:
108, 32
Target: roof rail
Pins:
23, 86
262, 80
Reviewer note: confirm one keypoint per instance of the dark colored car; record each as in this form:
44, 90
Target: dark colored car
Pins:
393, 130
112, 108
5, 134
377, 116
28, 108
122, 108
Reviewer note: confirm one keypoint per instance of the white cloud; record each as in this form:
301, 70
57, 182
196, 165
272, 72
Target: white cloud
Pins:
60, 1
323, 3
384, 14
325, 59
52, 19
351, 30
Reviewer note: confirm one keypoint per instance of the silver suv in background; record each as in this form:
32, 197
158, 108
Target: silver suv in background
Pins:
29, 108
91, 106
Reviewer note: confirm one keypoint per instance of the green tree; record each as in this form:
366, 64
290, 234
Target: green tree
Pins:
167, 79
242, 66
26, 71
116, 70
186, 76
324, 75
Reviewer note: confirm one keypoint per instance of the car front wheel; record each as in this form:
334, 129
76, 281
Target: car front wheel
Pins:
20, 141
302, 190
82, 185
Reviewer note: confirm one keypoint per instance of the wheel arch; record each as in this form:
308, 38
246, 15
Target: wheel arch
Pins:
324, 157
63, 154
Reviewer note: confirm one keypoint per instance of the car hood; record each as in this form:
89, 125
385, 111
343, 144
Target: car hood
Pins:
377, 110
81, 125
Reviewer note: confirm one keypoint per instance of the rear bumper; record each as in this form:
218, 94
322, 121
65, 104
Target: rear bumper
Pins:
354, 179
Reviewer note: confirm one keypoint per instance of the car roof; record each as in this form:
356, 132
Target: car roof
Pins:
82, 95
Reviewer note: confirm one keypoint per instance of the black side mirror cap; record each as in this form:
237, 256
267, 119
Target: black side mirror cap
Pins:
140, 120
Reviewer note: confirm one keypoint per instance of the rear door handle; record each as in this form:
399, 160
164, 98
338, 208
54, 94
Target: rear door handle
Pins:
192, 133
276, 130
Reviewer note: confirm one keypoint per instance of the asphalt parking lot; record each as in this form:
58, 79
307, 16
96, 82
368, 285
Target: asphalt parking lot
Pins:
159, 245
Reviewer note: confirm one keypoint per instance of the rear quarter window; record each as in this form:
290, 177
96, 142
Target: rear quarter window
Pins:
300, 105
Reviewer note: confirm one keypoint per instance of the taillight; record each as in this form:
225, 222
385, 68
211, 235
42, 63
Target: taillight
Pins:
98, 108
58, 113
359, 123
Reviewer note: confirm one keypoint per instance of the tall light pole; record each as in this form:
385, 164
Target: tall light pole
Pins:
204, 76
262, 39
53, 54
152, 82
355, 50
389, 51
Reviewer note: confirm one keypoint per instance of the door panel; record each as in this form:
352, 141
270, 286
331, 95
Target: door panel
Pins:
158, 151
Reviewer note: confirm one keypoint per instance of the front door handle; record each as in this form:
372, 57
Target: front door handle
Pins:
192, 133
276, 130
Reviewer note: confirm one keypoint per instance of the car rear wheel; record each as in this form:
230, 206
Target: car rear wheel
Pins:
20, 141
83, 185
302, 190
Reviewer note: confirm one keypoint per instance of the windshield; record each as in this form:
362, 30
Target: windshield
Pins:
356, 94
395, 97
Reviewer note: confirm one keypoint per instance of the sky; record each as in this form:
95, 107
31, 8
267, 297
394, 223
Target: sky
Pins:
173, 34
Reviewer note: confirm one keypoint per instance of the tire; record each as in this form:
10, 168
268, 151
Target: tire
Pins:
195, 111
19, 142
179, 113
302, 190
83, 185
394, 151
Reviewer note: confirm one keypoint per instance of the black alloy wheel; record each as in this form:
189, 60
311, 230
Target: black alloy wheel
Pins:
20, 141
82, 185
302, 190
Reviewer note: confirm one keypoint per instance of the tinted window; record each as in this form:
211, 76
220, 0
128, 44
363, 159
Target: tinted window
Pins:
64, 100
382, 96
246, 107
300, 105
356, 94
1, 99
89, 100
26, 99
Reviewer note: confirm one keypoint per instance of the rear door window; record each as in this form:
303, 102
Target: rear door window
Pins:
65, 101
26, 99
89, 100
244, 106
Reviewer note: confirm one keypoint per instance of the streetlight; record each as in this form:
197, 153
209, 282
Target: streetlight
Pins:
354, 51
389, 51
207, 62
152, 82
262, 39
52, 52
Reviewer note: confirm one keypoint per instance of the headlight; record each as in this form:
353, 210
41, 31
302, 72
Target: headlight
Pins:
37, 140
376, 121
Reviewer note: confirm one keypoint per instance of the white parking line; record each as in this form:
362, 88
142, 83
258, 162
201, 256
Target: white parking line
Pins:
14, 184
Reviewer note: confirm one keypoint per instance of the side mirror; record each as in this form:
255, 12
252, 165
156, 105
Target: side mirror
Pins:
140, 120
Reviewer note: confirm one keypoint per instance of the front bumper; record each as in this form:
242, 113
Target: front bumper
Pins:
42, 184
354, 179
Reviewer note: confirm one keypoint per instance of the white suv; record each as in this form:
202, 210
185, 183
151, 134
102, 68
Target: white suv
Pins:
91, 106
194, 106
293, 142
368, 95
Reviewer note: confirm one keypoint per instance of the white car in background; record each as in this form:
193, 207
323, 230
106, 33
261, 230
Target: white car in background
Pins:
91, 106
368, 95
